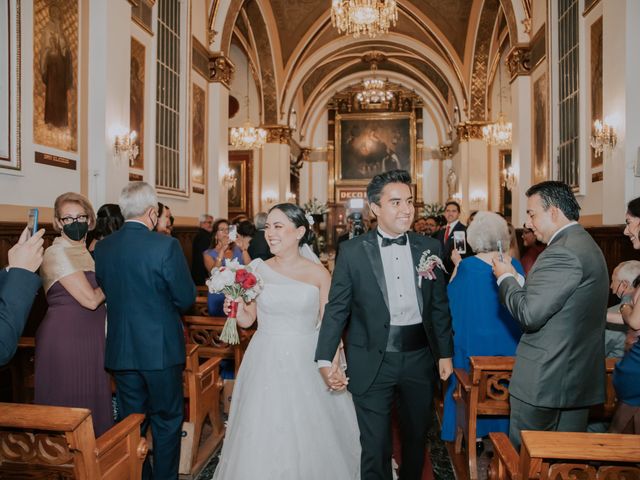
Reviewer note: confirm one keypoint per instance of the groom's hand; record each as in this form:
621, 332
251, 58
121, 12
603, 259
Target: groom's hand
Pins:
445, 367
334, 379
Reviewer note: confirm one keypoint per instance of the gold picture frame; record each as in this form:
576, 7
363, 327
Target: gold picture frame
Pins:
10, 144
367, 144
239, 195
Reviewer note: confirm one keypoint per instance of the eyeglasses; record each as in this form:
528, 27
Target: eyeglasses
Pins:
70, 220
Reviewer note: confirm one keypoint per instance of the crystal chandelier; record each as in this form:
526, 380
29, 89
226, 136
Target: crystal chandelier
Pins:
247, 137
373, 90
369, 17
499, 133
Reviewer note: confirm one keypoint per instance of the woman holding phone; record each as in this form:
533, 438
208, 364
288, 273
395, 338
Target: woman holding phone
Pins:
481, 324
70, 341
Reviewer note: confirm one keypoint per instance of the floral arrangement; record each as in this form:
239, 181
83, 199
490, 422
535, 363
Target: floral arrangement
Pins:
432, 209
237, 282
315, 207
428, 264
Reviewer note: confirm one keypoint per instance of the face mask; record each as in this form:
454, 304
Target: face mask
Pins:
155, 224
76, 230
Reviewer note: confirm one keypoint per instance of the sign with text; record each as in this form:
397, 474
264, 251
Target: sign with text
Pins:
346, 194
55, 161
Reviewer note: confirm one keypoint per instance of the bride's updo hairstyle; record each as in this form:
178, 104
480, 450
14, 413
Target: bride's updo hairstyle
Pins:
298, 218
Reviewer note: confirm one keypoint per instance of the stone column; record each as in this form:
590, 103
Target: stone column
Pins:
274, 166
470, 165
220, 73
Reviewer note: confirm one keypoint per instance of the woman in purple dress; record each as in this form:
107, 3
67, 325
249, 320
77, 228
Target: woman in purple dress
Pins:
69, 363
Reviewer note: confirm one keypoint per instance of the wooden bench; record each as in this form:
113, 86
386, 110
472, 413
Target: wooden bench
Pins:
484, 391
202, 385
565, 456
205, 331
37, 441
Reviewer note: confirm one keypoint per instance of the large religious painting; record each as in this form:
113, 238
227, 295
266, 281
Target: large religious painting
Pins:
370, 144
55, 73
198, 134
540, 133
136, 99
10, 84
596, 83
239, 195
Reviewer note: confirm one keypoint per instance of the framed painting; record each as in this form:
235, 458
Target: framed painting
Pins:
540, 130
136, 99
55, 74
506, 198
198, 134
596, 84
368, 144
10, 84
239, 195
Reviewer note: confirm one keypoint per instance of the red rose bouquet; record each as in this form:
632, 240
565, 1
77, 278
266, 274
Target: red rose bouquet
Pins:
238, 282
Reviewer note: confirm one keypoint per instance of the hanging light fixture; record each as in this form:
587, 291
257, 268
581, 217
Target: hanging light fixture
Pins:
247, 137
498, 134
374, 90
368, 17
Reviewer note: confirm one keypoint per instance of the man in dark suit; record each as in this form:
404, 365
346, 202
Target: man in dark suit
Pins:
446, 235
18, 287
201, 242
399, 329
560, 368
147, 283
258, 246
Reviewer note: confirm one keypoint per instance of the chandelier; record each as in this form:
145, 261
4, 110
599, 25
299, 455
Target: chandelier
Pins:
499, 133
373, 90
604, 136
369, 17
247, 137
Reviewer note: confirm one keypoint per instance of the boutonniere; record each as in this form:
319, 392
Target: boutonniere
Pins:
428, 264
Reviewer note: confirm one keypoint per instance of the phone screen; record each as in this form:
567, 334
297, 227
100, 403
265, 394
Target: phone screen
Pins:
32, 221
500, 250
460, 242
233, 233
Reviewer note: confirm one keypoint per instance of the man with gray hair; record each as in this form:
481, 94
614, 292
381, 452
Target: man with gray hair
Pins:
623, 285
201, 242
258, 246
147, 284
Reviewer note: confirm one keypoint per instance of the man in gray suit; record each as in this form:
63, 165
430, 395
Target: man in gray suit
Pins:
559, 370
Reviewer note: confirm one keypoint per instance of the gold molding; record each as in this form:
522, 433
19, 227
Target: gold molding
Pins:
519, 60
221, 69
469, 131
446, 151
278, 133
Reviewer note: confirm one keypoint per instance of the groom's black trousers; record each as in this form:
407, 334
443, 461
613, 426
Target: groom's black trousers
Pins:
409, 377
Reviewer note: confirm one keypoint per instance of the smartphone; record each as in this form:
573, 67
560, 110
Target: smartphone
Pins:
32, 221
500, 253
233, 233
460, 242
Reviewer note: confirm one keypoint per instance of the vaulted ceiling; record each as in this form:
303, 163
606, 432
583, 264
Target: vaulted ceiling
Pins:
443, 49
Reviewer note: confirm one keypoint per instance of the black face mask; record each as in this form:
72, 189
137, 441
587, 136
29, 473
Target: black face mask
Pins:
76, 230
155, 224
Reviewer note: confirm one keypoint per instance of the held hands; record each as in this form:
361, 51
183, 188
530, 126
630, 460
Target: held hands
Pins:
334, 377
27, 253
500, 267
445, 368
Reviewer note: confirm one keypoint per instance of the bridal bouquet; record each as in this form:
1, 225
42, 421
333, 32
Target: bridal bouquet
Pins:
238, 282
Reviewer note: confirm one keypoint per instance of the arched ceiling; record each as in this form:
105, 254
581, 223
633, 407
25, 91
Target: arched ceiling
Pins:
446, 46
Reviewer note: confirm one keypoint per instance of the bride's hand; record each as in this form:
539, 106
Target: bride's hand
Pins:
227, 306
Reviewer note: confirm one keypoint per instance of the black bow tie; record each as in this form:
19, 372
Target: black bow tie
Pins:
402, 240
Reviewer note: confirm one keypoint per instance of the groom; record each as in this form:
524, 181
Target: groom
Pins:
399, 328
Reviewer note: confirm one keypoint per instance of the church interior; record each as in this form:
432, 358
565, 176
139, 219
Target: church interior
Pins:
229, 107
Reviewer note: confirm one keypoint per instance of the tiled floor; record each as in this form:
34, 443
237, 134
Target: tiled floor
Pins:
442, 467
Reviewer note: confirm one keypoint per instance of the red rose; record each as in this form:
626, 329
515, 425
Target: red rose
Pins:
249, 281
241, 275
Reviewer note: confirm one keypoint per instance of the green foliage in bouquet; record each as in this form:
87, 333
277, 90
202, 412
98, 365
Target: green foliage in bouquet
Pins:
315, 207
432, 209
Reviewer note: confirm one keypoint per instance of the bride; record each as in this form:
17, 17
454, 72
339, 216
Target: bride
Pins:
284, 424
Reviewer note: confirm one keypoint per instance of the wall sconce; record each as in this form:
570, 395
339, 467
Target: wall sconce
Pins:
229, 179
291, 197
126, 144
269, 198
477, 200
603, 137
509, 178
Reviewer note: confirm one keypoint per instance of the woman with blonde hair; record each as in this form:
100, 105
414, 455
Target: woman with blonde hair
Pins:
69, 361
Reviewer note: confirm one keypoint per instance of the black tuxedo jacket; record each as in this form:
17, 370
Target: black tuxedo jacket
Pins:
359, 295
18, 288
258, 247
447, 247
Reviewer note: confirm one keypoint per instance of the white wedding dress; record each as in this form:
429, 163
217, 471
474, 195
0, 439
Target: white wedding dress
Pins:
284, 424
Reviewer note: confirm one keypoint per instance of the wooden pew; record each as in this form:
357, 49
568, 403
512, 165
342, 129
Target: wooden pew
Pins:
37, 441
202, 385
485, 391
205, 331
566, 455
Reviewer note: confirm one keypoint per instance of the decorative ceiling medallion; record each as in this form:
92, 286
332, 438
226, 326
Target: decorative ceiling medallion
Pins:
364, 17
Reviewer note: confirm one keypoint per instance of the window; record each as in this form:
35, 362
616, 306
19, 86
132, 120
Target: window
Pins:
168, 167
568, 65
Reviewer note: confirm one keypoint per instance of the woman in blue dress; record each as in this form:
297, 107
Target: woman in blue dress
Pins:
482, 325
222, 249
